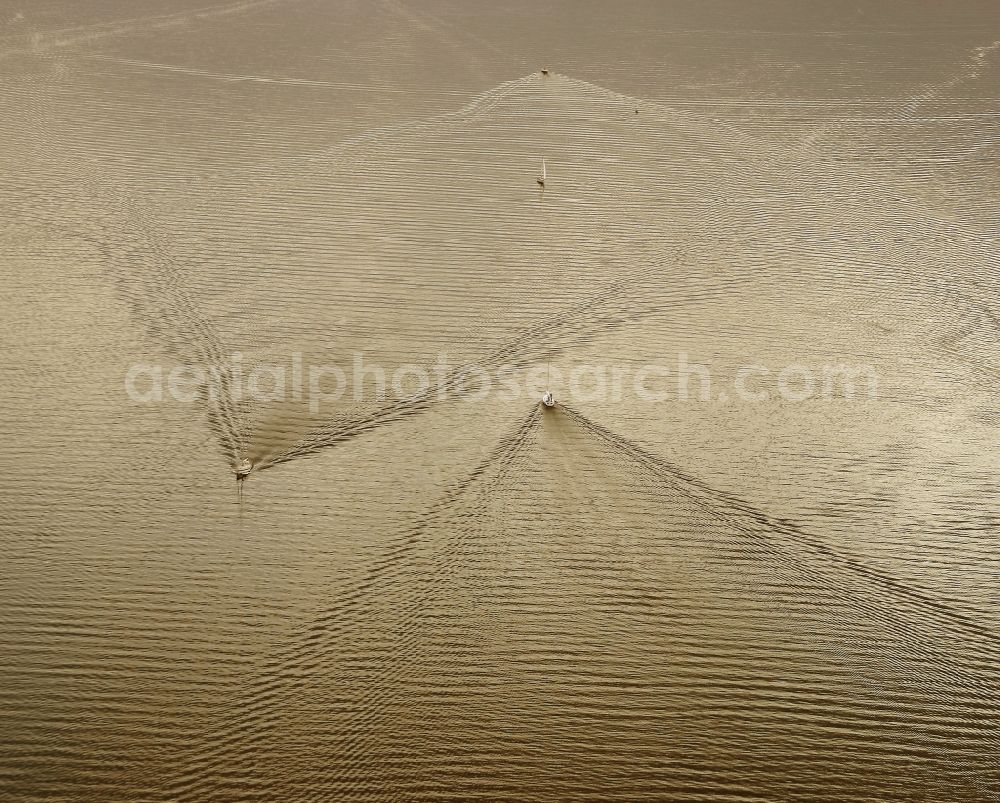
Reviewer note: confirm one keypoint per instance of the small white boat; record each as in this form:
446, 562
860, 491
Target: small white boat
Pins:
548, 399
541, 178
244, 468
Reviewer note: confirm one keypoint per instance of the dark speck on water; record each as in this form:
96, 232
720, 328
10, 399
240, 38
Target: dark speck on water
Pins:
716, 570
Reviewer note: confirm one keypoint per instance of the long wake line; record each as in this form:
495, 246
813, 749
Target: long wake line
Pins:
729, 507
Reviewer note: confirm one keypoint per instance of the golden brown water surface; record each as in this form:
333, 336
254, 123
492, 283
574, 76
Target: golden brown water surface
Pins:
426, 598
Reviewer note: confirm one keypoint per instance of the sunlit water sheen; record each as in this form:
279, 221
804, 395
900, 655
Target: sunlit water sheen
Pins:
436, 599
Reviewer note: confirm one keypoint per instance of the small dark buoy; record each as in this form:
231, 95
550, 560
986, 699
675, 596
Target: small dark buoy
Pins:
636, 109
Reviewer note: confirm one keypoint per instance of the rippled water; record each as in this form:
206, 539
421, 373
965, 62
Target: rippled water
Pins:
427, 598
